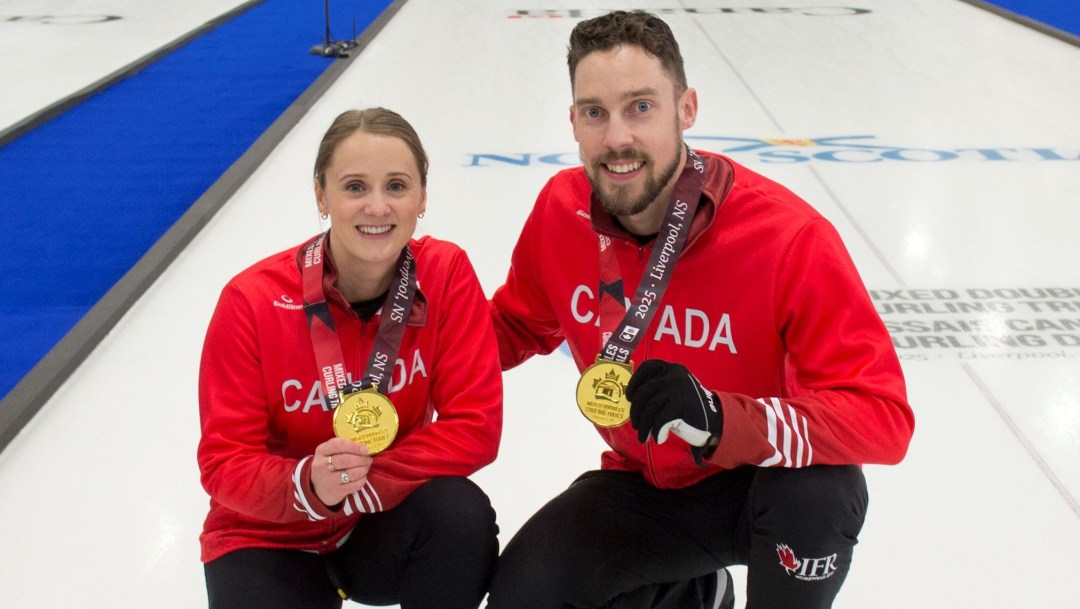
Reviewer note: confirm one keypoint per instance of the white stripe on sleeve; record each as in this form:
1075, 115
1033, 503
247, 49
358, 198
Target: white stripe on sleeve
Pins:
770, 424
809, 444
778, 407
798, 435
298, 492
795, 429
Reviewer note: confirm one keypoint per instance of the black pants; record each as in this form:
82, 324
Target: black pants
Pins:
614, 541
434, 551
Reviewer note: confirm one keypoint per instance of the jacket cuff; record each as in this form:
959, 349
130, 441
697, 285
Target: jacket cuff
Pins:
304, 498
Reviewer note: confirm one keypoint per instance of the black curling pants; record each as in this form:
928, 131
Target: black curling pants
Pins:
614, 541
435, 550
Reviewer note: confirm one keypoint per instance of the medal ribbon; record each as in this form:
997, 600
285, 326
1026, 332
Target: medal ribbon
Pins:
324, 339
619, 340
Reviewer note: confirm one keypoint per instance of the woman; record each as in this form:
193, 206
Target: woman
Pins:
295, 352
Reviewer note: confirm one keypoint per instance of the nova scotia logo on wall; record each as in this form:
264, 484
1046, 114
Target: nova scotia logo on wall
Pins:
830, 149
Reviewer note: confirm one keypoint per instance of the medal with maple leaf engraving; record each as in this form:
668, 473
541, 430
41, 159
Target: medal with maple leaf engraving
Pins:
367, 417
601, 393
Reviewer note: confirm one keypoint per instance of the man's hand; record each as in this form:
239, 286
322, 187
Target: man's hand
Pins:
665, 397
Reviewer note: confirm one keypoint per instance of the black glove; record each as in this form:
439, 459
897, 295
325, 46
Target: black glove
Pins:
665, 397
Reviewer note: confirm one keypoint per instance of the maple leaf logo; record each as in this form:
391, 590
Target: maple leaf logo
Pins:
787, 557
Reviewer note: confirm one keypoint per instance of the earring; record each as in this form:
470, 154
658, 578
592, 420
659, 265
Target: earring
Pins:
323, 214
420, 215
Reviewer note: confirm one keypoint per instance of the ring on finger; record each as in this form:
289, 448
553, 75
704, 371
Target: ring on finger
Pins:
345, 477
330, 462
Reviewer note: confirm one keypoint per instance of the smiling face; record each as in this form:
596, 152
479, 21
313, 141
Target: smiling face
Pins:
372, 190
628, 121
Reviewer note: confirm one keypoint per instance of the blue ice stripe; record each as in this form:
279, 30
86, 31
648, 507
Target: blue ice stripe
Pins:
1062, 15
87, 193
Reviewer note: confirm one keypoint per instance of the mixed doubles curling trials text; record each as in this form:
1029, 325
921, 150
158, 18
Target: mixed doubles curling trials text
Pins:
992, 321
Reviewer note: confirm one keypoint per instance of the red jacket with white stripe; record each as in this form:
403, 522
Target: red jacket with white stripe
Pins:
765, 308
263, 411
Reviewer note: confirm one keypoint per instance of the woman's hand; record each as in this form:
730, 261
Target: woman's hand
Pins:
338, 469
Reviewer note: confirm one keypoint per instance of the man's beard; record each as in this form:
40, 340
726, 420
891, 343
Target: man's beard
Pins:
617, 202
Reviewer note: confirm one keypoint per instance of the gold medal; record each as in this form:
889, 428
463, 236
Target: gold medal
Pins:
367, 417
601, 393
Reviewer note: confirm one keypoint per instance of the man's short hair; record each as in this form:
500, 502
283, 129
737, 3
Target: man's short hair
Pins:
628, 28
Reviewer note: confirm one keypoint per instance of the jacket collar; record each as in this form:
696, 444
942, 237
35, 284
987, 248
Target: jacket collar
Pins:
719, 176
417, 316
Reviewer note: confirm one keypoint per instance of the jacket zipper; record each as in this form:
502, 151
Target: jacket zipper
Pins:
648, 446
643, 257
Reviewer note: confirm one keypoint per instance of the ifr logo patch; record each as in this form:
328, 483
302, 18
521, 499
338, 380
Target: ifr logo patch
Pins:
805, 569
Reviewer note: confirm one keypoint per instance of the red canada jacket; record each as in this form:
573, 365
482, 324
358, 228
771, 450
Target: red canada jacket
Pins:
263, 411
765, 308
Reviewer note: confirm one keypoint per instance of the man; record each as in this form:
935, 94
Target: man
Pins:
761, 373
